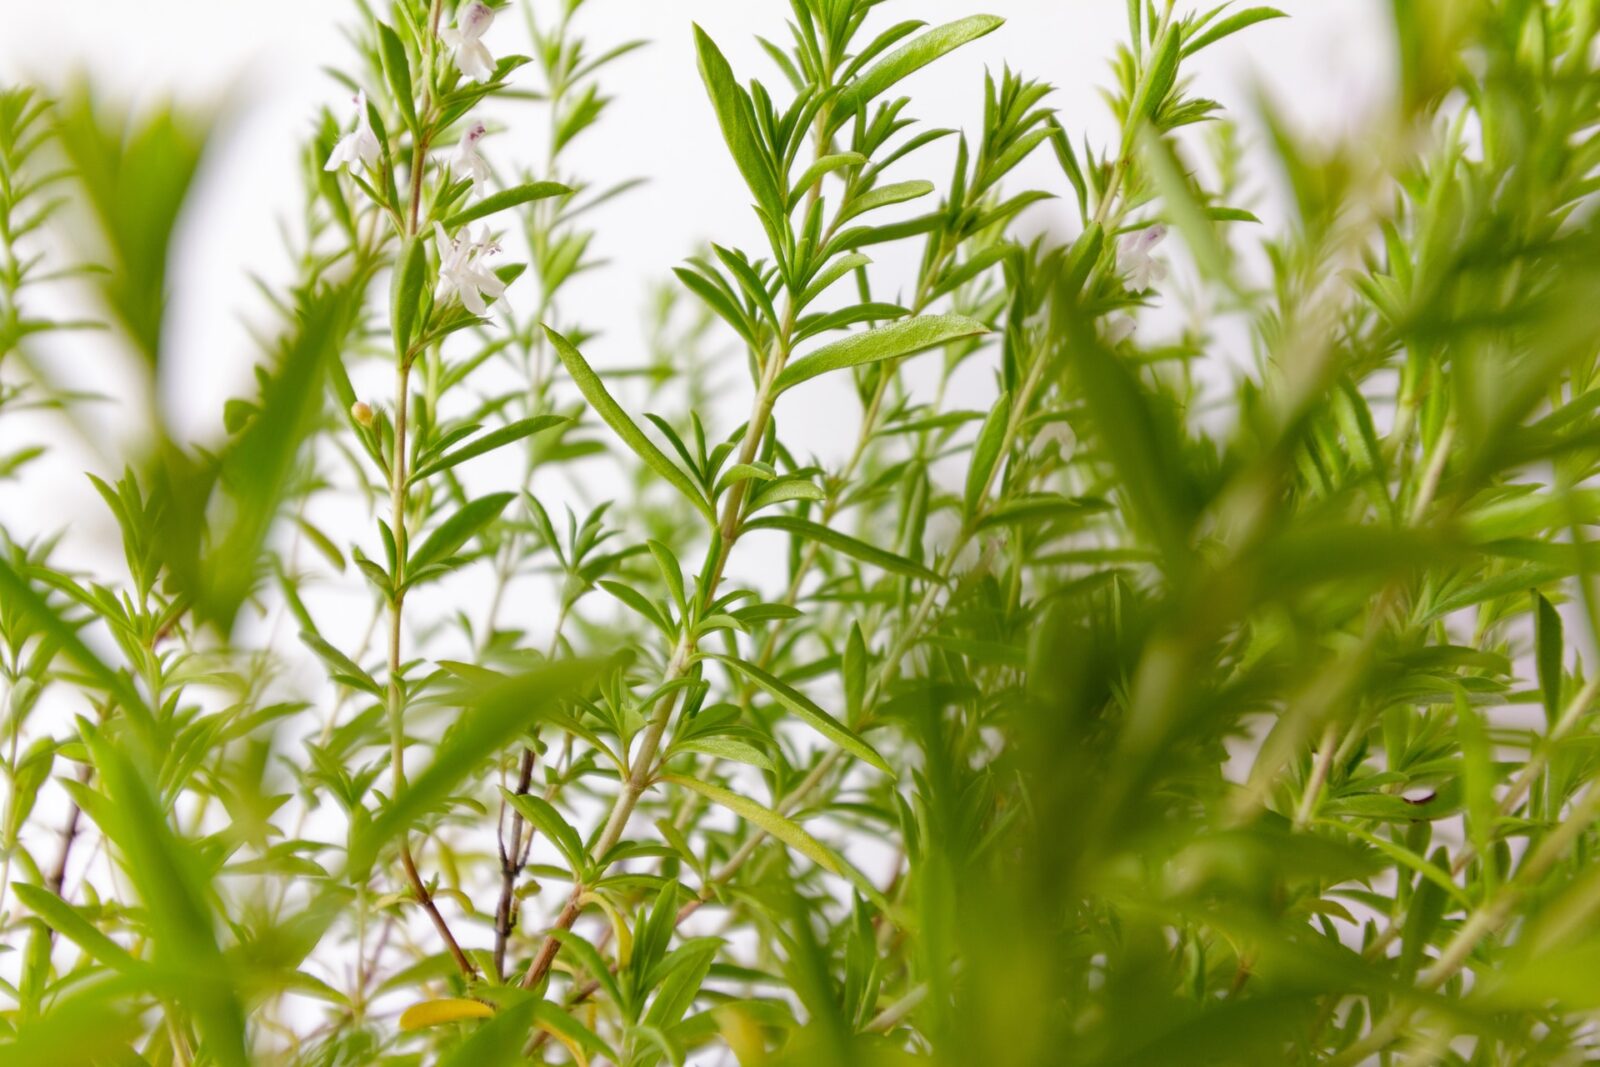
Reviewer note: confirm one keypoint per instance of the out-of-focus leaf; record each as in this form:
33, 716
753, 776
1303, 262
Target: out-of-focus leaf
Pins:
495, 710
448, 1010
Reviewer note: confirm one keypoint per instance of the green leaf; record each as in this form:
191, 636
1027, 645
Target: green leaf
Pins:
66, 921
911, 57
808, 712
671, 572
1153, 87
405, 294
86, 1026
825, 278
1548, 646
496, 709
556, 1020
17, 594
1426, 908
448, 537
515, 431
640, 603
734, 116
825, 165
887, 342
1439, 876
397, 70
541, 814
780, 490
1231, 25
594, 391
986, 453
727, 748
592, 961
497, 1042
173, 883
342, 668
768, 820
853, 672
884, 196
1142, 441
219, 566
842, 542
322, 543
136, 174
506, 198
1033, 508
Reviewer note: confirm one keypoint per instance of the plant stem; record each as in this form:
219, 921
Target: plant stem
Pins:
642, 766
512, 859
396, 691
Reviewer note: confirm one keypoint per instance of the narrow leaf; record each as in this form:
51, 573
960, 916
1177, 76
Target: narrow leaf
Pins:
913, 56
458, 529
594, 391
809, 712
447, 1010
506, 198
842, 542
515, 431
768, 820
887, 342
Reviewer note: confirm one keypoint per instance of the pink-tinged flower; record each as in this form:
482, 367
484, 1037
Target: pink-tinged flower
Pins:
359, 144
467, 160
463, 270
1140, 268
472, 58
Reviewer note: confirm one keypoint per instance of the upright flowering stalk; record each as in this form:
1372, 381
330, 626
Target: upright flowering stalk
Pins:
432, 297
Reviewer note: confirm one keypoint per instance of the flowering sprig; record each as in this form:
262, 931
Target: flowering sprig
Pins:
426, 298
1136, 258
466, 38
468, 160
462, 269
359, 145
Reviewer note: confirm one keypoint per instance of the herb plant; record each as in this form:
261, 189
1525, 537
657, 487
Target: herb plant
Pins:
1205, 697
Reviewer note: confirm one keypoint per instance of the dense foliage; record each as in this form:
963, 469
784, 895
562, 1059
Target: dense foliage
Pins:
1215, 695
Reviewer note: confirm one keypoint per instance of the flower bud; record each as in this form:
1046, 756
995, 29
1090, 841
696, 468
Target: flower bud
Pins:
361, 412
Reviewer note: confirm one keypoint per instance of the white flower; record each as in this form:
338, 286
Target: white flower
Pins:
1058, 434
467, 160
361, 143
472, 22
1116, 330
1134, 258
463, 272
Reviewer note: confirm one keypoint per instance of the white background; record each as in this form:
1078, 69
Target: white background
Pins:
261, 63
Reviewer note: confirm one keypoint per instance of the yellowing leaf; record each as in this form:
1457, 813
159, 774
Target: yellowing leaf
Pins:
619, 926
579, 1057
448, 1010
